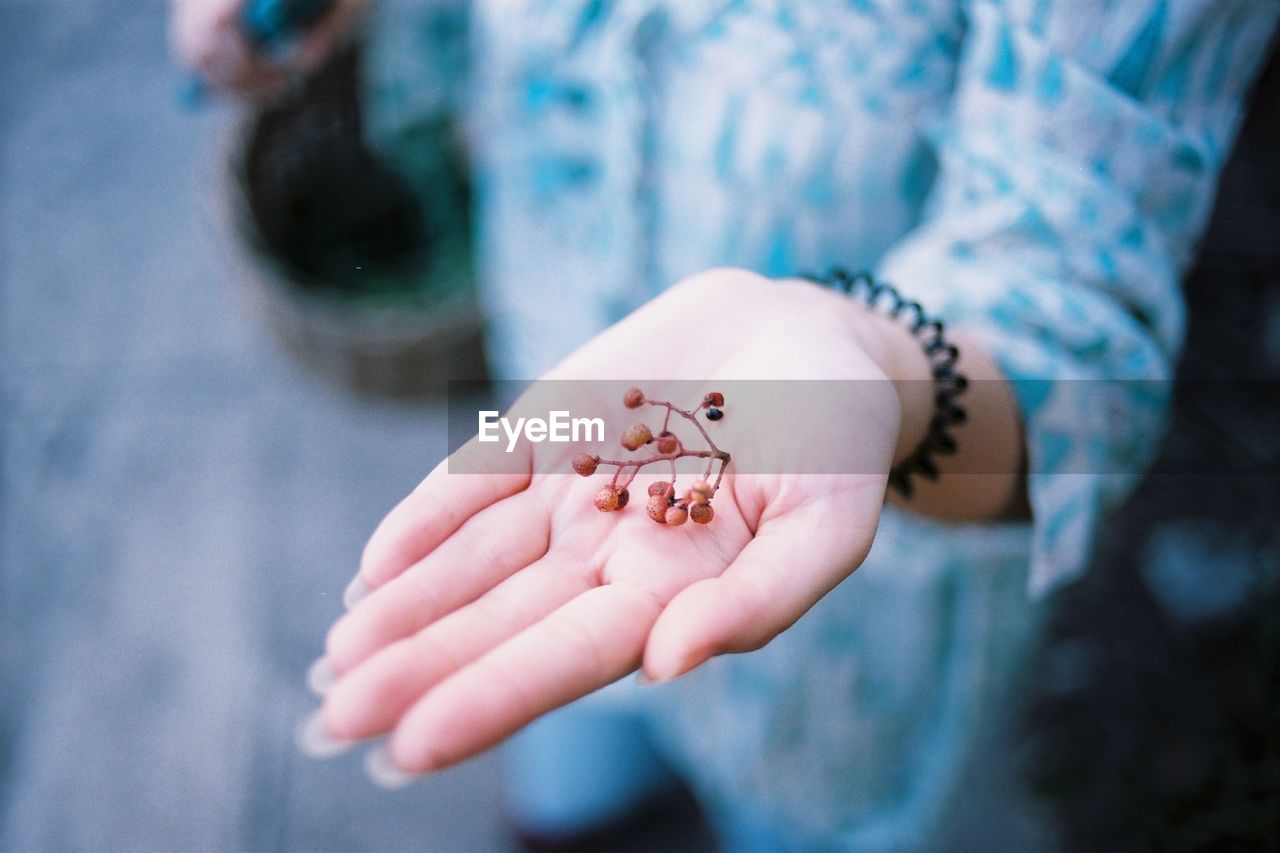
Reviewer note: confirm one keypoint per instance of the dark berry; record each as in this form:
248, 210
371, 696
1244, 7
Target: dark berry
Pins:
700, 492
636, 436
585, 464
662, 487
656, 508
607, 499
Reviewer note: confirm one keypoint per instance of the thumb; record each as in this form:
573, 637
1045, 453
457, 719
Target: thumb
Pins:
711, 617
791, 563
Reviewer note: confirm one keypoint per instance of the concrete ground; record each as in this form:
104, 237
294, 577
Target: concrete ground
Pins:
180, 505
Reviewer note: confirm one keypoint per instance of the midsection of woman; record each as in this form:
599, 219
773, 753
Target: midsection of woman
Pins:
620, 154
1038, 171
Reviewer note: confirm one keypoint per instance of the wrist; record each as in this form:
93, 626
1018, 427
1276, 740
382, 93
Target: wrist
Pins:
890, 347
970, 457
900, 357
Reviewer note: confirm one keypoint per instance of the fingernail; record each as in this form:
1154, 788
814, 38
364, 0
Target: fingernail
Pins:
356, 592
680, 670
314, 739
382, 770
321, 676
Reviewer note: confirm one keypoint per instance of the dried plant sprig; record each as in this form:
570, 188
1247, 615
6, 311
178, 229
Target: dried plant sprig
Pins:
663, 505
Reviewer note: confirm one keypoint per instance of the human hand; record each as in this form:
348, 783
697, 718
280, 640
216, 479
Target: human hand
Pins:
498, 597
207, 36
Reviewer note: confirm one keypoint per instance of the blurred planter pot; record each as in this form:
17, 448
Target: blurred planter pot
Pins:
363, 274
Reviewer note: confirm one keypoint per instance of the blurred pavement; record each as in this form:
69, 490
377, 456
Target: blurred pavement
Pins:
180, 507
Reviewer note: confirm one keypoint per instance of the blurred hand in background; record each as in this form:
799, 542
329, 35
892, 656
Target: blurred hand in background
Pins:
208, 36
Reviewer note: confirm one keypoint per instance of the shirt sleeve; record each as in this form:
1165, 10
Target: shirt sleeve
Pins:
1077, 170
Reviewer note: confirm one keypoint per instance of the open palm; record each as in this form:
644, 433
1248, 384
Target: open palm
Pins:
499, 597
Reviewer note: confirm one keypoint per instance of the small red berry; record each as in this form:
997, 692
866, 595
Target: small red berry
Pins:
633, 399
607, 499
700, 492
662, 487
585, 464
624, 495
715, 398
677, 515
636, 436
667, 444
656, 508
701, 513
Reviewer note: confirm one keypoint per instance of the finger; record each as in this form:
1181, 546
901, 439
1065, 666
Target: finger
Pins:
229, 64
329, 32
486, 550
589, 642
793, 561
438, 507
195, 27
372, 697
